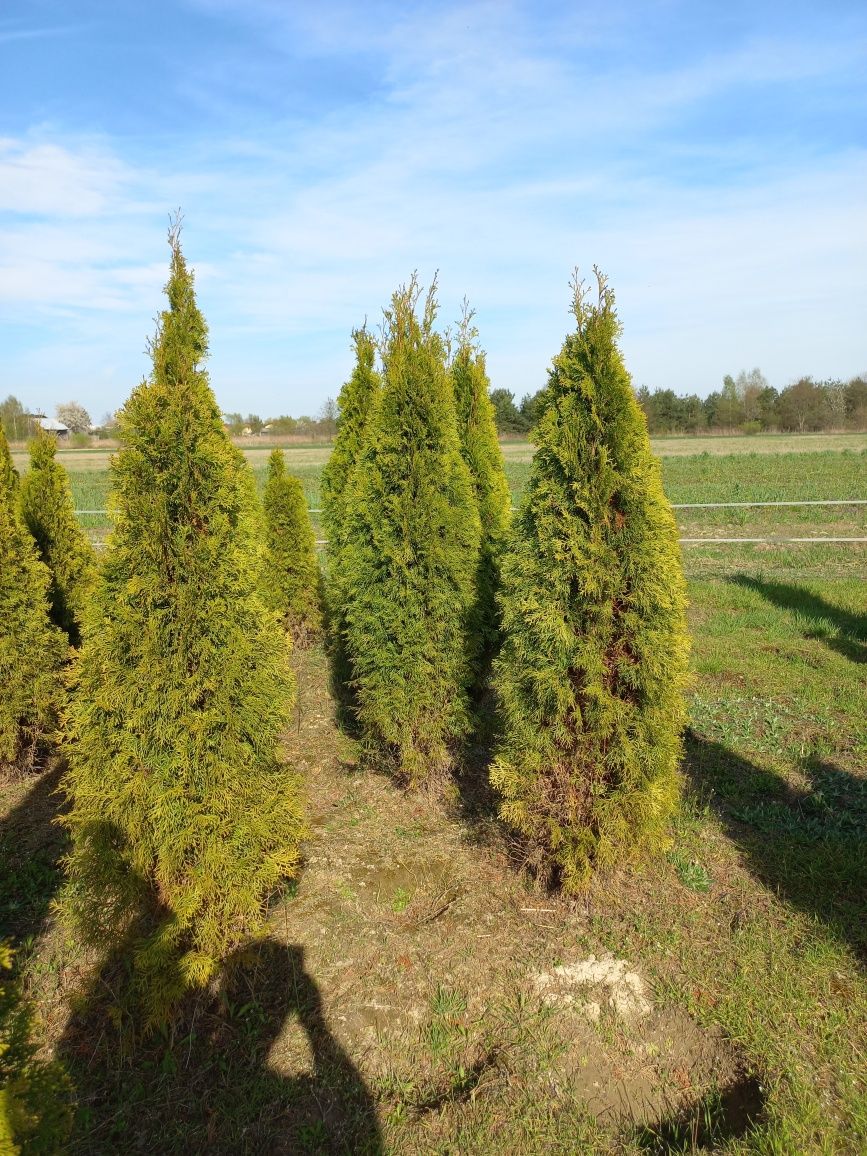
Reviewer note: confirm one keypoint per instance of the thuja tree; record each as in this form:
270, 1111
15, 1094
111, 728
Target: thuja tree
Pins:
411, 552
47, 509
481, 451
181, 804
32, 650
292, 580
355, 404
594, 661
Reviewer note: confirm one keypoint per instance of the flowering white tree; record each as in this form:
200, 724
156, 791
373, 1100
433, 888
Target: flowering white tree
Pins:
74, 416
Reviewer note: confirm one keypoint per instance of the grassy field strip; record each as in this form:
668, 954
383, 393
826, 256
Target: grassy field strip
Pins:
739, 505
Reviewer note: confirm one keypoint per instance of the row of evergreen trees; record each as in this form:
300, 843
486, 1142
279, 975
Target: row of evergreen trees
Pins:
184, 815
574, 615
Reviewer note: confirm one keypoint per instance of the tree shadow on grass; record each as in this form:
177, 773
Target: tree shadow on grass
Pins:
809, 847
32, 845
850, 638
206, 1085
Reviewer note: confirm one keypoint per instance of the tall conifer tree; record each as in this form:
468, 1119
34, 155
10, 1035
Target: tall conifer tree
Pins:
179, 795
594, 661
481, 451
355, 404
32, 650
411, 551
48, 512
292, 580
357, 401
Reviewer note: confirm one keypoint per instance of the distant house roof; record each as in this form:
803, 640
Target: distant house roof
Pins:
51, 425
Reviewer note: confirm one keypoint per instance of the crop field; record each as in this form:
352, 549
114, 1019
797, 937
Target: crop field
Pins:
418, 995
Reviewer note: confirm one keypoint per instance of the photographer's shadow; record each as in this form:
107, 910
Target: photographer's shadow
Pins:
206, 1085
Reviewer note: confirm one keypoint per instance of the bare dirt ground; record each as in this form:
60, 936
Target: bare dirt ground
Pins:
461, 994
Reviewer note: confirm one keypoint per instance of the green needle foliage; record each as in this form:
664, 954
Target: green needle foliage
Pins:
181, 804
35, 1097
32, 650
357, 401
355, 404
8, 474
411, 552
594, 661
292, 580
49, 514
481, 451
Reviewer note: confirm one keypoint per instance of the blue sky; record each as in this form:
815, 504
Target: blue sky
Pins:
711, 158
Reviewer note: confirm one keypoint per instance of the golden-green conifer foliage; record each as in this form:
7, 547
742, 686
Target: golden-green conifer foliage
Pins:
593, 668
481, 451
32, 650
179, 795
292, 579
356, 402
48, 512
410, 556
8, 474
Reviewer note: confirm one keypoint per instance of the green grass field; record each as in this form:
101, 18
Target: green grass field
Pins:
417, 995
759, 470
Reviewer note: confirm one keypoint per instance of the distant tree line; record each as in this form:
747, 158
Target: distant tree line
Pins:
745, 404
324, 425
749, 404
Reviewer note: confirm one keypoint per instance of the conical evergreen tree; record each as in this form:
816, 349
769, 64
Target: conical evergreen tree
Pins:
481, 451
32, 651
411, 552
292, 579
594, 661
48, 512
179, 795
356, 402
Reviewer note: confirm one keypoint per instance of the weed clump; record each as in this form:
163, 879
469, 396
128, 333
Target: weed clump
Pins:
48, 512
183, 812
591, 676
292, 581
410, 555
32, 650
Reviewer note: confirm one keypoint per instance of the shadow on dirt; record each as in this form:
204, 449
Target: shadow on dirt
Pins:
841, 630
728, 1114
206, 1085
809, 847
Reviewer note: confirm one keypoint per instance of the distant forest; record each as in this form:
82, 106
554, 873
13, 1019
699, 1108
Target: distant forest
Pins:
745, 404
